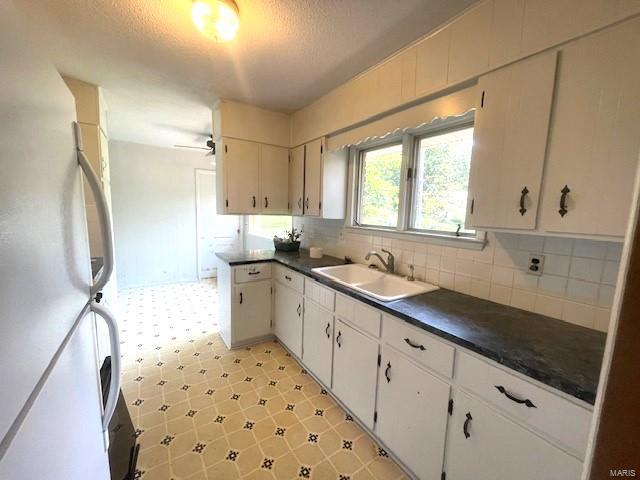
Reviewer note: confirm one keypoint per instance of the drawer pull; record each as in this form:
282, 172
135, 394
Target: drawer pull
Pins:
414, 345
299, 310
465, 427
338, 339
254, 273
287, 277
526, 401
386, 372
326, 330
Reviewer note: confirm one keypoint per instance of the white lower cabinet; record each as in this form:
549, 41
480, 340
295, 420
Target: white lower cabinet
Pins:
355, 371
317, 341
484, 445
288, 318
412, 414
252, 310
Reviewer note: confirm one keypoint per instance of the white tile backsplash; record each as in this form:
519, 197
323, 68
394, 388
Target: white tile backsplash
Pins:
577, 283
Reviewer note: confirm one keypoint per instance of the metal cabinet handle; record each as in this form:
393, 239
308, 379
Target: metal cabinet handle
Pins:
473, 202
386, 372
306, 204
257, 272
563, 201
338, 339
241, 298
299, 202
116, 362
102, 208
414, 345
465, 427
266, 202
523, 195
254, 201
287, 277
526, 401
326, 330
299, 310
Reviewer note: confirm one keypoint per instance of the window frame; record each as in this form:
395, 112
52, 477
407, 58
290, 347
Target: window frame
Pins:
410, 140
393, 141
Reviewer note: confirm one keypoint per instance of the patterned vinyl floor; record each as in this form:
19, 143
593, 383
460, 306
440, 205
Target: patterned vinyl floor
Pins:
205, 412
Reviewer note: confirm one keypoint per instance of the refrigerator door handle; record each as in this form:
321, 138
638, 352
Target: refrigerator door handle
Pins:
103, 214
116, 362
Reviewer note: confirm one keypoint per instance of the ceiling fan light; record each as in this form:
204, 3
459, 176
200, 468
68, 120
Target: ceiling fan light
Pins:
216, 19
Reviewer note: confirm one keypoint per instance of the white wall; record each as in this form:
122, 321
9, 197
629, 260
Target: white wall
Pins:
577, 284
154, 212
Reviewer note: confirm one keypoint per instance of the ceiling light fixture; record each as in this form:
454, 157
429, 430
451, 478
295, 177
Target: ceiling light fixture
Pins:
216, 19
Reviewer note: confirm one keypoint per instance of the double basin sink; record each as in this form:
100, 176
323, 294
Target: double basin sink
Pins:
382, 286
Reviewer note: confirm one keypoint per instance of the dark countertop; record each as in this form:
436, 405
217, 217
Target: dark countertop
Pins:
96, 265
559, 354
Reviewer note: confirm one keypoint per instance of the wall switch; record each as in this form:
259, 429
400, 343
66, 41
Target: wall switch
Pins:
536, 264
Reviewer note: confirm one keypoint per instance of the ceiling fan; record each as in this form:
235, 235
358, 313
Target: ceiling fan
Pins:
210, 146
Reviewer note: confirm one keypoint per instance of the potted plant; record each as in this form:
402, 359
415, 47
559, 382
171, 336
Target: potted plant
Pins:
290, 242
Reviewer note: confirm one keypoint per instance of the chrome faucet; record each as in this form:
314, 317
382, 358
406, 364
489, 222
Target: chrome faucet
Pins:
389, 265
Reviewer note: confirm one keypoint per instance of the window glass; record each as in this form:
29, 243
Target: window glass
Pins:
380, 186
442, 180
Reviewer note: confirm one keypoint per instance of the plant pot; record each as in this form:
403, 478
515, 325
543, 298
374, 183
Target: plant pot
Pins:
286, 246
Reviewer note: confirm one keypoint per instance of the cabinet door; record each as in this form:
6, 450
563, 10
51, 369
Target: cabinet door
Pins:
242, 176
495, 448
252, 312
312, 177
412, 414
274, 179
432, 58
288, 313
318, 341
595, 137
509, 143
469, 48
355, 371
296, 180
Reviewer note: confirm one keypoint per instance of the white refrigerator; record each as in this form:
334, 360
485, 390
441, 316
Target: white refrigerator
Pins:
52, 415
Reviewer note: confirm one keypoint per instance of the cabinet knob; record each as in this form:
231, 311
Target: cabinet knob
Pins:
523, 195
563, 201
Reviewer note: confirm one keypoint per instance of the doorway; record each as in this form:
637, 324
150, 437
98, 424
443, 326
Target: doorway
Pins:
215, 233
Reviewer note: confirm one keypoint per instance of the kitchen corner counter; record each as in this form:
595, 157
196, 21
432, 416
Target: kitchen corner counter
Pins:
559, 354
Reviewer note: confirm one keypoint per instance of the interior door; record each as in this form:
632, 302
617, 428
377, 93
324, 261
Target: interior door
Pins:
312, 177
252, 312
274, 179
216, 233
318, 341
412, 414
296, 180
484, 445
242, 176
288, 318
355, 371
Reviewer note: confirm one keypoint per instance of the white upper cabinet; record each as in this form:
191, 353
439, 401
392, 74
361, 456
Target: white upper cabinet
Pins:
246, 122
274, 179
432, 60
595, 135
296, 180
313, 177
509, 143
505, 44
469, 47
240, 163
412, 414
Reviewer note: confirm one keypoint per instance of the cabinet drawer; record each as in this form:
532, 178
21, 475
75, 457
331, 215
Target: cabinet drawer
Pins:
418, 345
289, 278
252, 272
560, 419
363, 317
321, 295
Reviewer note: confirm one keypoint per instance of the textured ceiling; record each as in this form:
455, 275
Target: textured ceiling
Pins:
161, 76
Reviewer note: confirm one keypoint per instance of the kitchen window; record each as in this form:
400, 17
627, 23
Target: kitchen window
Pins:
416, 182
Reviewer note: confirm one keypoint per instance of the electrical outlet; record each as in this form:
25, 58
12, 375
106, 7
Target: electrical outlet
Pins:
536, 264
